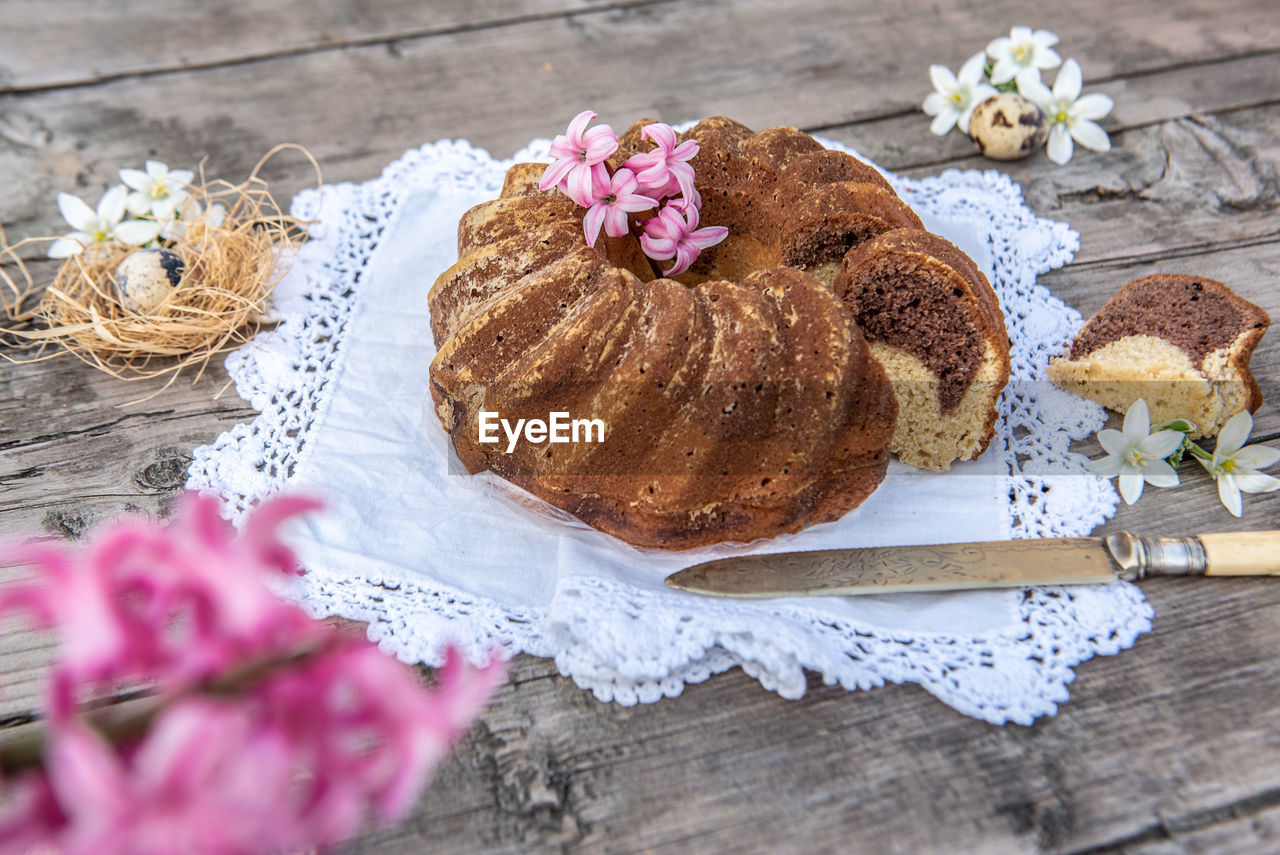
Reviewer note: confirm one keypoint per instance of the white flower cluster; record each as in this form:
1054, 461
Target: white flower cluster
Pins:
157, 200
1013, 64
1139, 456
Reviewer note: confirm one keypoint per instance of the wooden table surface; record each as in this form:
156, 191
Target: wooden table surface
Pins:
1173, 746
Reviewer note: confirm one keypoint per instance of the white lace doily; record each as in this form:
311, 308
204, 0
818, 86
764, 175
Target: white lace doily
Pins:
625, 638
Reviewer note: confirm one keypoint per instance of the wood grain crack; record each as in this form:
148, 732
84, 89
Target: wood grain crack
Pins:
58, 436
1170, 828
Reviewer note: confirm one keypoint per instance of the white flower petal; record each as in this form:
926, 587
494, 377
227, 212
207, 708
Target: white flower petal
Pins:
1159, 473
1233, 435
935, 103
1005, 69
77, 214
135, 178
1113, 441
997, 48
1060, 146
982, 92
1131, 482
163, 208
1162, 444
1091, 135
156, 169
971, 71
1047, 58
1068, 82
137, 232
942, 78
111, 205
1257, 456
1229, 493
181, 176
1256, 482
1019, 35
944, 122
1137, 421
1108, 467
962, 122
1092, 106
64, 247
1031, 86
138, 203
1044, 39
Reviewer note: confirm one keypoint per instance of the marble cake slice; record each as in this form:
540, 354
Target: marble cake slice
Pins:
1181, 342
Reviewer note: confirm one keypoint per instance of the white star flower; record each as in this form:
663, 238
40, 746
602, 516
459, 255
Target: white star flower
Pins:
1236, 468
1070, 116
100, 226
192, 213
1021, 49
956, 95
1136, 455
158, 190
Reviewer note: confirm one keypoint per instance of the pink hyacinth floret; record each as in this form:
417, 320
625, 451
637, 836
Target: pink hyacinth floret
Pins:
665, 171
579, 167
301, 756
174, 604
611, 209
674, 233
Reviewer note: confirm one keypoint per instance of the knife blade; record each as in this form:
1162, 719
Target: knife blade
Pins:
996, 564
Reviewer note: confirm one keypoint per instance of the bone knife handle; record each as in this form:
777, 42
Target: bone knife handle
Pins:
1241, 553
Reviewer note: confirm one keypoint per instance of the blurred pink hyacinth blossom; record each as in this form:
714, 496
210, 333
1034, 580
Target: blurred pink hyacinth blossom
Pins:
270, 732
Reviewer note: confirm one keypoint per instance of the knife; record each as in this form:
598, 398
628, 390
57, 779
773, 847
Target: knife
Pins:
997, 564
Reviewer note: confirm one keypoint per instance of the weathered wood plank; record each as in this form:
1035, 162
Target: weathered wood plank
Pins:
904, 142
1183, 185
110, 40
727, 767
231, 114
70, 456
1169, 747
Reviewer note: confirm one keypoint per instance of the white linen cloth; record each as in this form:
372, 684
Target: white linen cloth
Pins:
430, 557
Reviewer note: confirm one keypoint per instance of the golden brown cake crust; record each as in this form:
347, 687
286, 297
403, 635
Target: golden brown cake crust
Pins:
742, 401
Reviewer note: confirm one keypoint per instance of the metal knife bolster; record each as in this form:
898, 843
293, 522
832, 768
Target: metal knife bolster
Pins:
1138, 557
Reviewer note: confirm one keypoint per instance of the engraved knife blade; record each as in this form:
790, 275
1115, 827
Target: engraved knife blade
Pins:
896, 569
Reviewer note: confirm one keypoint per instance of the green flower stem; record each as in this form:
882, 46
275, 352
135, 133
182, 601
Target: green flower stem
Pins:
1198, 451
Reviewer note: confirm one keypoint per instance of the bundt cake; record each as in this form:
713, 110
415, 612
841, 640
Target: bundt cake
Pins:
739, 399
1182, 343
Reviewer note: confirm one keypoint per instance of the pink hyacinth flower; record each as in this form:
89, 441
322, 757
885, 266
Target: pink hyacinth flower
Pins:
611, 209
682, 203
675, 234
579, 169
330, 734
665, 171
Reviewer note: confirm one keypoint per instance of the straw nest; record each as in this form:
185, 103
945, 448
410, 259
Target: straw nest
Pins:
220, 301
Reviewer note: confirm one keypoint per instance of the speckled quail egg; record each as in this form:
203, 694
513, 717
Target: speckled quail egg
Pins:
146, 277
1008, 126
